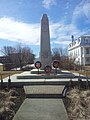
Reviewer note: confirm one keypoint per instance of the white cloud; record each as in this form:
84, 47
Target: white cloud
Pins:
86, 9
82, 9
60, 33
18, 31
48, 3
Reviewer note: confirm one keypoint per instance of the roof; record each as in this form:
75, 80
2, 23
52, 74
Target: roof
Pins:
85, 36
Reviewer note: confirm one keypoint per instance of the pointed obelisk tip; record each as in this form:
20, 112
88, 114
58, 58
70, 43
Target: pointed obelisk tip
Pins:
44, 16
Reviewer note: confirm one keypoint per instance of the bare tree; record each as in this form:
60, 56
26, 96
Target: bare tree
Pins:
25, 55
65, 62
7, 50
55, 54
17, 56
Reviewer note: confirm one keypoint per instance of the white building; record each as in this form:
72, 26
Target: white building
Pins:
79, 50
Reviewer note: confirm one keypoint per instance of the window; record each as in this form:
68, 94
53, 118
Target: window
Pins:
70, 45
82, 50
79, 40
76, 53
87, 40
87, 50
87, 59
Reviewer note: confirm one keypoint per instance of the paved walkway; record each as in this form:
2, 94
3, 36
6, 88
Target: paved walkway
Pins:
42, 109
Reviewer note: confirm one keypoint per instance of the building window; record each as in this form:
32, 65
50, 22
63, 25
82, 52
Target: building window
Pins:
82, 51
87, 59
87, 40
87, 50
79, 40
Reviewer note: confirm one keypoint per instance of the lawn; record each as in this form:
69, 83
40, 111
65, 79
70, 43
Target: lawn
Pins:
7, 73
85, 71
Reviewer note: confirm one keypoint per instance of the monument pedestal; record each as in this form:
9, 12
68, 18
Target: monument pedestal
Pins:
42, 75
42, 71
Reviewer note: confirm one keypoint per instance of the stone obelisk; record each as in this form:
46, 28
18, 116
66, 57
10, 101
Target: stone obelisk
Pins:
45, 49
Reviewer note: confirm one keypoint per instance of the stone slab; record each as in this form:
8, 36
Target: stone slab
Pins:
46, 91
41, 109
56, 81
43, 89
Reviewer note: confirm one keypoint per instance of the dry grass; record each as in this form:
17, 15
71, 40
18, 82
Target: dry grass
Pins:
10, 101
85, 71
78, 104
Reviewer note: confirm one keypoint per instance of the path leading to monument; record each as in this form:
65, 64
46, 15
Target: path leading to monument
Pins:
42, 109
46, 106
43, 102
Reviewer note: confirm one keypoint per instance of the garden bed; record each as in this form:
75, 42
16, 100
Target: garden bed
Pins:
10, 101
77, 104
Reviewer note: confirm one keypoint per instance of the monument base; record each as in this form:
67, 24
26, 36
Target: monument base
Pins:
43, 75
35, 71
41, 71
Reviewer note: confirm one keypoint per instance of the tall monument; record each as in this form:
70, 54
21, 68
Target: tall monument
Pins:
45, 49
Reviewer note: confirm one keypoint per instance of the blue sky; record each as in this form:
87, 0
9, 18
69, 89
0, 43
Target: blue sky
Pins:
20, 21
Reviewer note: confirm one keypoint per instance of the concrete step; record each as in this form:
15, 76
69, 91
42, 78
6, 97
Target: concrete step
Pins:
43, 76
45, 91
35, 71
